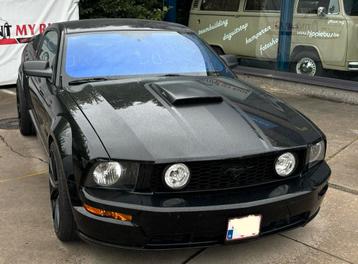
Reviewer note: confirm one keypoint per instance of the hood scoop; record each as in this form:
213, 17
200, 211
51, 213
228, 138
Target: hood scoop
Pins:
180, 93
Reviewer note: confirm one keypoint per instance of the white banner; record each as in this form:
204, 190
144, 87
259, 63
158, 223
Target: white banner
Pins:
22, 19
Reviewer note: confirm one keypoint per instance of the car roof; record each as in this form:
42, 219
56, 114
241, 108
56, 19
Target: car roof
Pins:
112, 24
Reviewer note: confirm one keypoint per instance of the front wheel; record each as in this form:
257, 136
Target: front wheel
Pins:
62, 216
307, 63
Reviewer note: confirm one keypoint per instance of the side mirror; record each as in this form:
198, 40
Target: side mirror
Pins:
38, 69
230, 60
321, 11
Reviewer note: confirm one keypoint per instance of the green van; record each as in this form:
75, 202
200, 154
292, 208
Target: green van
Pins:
325, 32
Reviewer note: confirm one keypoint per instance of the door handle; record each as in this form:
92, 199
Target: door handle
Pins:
42, 93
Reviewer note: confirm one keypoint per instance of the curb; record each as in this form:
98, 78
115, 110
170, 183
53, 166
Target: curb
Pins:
275, 85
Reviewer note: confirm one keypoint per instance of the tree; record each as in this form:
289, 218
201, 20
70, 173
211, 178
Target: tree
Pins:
145, 9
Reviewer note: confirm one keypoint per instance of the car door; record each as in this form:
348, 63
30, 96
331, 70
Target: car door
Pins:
41, 89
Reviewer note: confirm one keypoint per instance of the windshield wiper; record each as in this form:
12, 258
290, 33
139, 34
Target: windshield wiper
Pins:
88, 80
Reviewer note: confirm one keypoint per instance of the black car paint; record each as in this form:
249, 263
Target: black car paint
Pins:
133, 119
200, 220
137, 111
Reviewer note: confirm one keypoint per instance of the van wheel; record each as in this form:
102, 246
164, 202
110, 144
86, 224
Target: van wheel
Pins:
307, 63
25, 123
62, 216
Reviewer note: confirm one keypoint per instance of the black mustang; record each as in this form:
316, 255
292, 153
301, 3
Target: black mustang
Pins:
153, 142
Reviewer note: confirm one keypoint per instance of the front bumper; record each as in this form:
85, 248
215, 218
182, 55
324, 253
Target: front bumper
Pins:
199, 220
353, 66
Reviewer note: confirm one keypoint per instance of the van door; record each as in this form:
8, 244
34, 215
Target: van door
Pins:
250, 31
327, 34
262, 36
218, 23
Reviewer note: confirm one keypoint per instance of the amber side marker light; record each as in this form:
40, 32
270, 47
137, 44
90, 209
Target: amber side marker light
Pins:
105, 213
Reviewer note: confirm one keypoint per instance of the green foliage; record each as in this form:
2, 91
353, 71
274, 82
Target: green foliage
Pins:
144, 9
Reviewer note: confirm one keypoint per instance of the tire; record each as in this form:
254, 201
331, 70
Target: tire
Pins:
307, 63
25, 123
62, 216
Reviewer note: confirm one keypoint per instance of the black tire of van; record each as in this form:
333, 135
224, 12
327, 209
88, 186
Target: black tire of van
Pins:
305, 60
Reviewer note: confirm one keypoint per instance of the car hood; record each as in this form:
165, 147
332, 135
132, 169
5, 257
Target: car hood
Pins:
187, 118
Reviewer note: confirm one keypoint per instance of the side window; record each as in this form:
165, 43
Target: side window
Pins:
263, 5
48, 49
307, 7
220, 5
351, 7
311, 6
333, 8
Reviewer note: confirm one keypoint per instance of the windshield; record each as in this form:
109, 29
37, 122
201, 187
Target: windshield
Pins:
133, 53
351, 7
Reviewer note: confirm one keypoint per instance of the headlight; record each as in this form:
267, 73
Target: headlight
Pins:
285, 164
107, 173
177, 176
317, 152
118, 175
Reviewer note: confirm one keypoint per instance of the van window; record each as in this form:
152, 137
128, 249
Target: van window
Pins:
351, 7
311, 6
307, 7
220, 5
263, 5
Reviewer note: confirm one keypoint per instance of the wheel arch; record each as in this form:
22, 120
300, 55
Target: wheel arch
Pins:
20, 83
62, 136
305, 48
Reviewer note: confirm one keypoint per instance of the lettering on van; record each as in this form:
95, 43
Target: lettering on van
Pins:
228, 36
334, 22
216, 25
258, 35
318, 34
265, 47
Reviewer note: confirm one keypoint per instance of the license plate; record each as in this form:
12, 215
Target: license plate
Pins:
243, 228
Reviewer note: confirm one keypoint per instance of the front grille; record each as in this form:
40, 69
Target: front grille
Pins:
226, 174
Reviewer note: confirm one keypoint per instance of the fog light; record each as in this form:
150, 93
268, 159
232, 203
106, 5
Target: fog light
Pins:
105, 213
177, 176
285, 164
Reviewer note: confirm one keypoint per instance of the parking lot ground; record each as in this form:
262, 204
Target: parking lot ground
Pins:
26, 234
